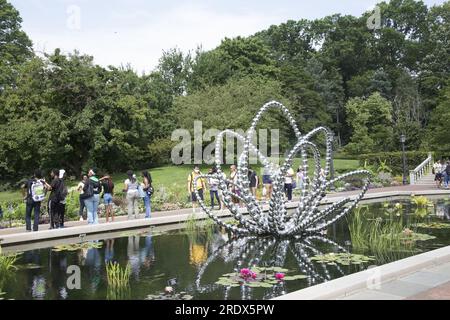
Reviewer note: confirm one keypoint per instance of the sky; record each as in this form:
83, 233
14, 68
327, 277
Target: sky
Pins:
136, 32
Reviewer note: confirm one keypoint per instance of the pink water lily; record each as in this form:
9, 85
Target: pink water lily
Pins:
245, 272
279, 276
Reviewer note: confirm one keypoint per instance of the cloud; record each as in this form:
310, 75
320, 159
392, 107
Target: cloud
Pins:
139, 37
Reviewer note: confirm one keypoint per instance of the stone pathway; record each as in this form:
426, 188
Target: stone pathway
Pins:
331, 197
427, 284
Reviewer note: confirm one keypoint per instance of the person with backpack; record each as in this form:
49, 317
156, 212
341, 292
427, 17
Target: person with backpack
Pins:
54, 205
91, 195
108, 192
199, 186
148, 189
34, 194
132, 191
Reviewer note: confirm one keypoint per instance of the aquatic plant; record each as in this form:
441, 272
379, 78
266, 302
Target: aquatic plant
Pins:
432, 225
421, 201
7, 266
173, 296
7, 262
77, 246
345, 259
118, 276
258, 277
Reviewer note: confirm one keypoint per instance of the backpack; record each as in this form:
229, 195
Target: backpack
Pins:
62, 191
37, 191
96, 186
88, 190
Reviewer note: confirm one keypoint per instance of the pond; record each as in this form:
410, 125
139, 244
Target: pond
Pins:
207, 264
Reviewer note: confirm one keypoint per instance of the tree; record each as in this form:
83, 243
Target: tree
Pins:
15, 46
371, 121
438, 127
238, 57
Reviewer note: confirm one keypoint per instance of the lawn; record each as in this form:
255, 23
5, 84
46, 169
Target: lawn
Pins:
171, 181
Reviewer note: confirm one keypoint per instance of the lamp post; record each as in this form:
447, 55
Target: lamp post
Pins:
402, 140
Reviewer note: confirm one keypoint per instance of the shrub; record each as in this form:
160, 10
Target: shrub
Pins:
394, 160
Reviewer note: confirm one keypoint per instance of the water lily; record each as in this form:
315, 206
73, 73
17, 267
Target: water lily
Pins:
279, 276
245, 272
408, 232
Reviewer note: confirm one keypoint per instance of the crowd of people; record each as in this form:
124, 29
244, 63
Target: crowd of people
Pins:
292, 180
92, 190
441, 171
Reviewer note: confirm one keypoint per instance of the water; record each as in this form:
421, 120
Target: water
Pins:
196, 261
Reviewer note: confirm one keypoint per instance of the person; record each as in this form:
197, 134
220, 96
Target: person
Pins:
80, 188
213, 183
54, 198
267, 182
254, 181
34, 194
148, 189
108, 192
199, 186
437, 170
91, 192
63, 195
288, 180
132, 191
447, 174
233, 185
300, 178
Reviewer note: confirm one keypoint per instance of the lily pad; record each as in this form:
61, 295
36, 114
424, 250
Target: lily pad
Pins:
29, 266
77, 246
342, 258
432, 225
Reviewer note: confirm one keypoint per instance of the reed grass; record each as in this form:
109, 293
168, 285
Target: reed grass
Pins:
118, 277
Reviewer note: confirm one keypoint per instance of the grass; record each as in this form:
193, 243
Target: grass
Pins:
171, 181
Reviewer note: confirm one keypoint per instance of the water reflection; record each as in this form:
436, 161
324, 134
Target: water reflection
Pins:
248, 252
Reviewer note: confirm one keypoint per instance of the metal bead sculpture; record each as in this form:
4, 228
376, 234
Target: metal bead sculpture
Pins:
277, 221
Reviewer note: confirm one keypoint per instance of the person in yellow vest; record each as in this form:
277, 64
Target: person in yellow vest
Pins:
200, 186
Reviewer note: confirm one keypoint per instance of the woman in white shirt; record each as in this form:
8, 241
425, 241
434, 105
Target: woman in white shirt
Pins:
131, 189
288, 180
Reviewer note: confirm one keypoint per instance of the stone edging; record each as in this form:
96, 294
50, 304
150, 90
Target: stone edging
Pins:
347, 285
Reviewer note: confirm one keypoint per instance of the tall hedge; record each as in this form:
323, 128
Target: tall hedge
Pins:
394, 160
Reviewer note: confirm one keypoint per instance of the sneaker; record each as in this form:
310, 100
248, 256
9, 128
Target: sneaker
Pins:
81, 219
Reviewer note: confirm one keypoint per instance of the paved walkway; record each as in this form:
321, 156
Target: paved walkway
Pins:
331, 197
426, 284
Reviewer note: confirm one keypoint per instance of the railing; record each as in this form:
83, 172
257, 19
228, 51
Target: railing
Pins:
421, 170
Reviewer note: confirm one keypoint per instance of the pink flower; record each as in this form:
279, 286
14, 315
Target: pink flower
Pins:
253, 275
279, 276
245, 272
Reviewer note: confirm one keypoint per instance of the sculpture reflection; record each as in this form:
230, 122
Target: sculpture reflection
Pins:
252, 251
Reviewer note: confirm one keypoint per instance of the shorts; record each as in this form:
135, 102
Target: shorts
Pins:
267, 179
194, 196
107, 197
